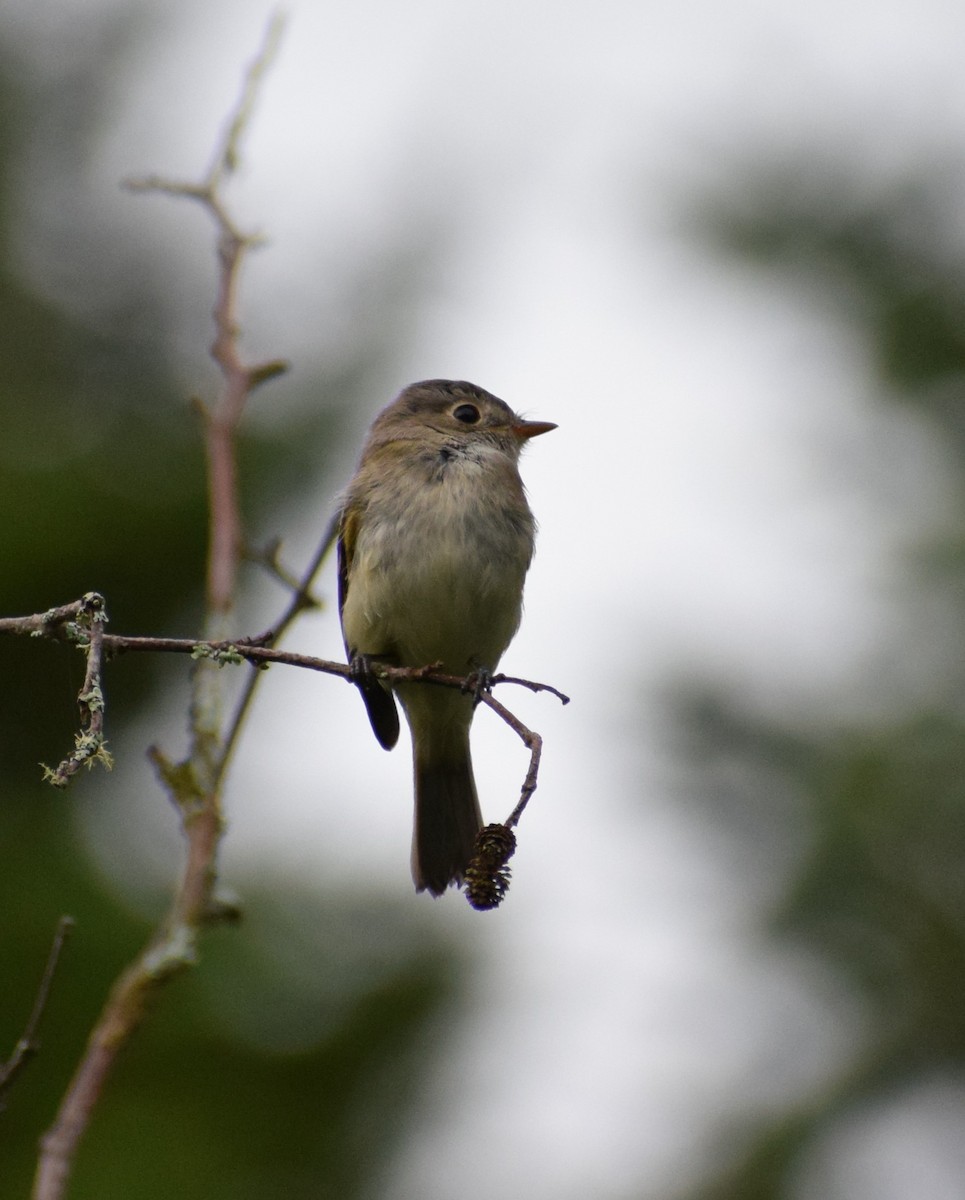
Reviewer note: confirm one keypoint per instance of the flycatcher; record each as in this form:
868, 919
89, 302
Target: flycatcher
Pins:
435, 539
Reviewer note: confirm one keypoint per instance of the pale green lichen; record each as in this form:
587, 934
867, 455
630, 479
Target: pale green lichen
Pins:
93, 700
222, 655
90, 749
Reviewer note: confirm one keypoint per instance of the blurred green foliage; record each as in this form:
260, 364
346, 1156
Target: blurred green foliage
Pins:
888, 260
308, 1088
876, 895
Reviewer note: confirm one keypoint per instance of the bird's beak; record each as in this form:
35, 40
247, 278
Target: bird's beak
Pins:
525, 430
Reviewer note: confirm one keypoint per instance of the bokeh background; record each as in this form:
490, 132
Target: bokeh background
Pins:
723, 246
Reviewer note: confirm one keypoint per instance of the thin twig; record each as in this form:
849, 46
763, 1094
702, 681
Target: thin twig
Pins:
533, 687
260, 651
221, 424
81, 622
530, 739
90, 745
52, 623
301, 599
227, 154
29, 1045
268, 557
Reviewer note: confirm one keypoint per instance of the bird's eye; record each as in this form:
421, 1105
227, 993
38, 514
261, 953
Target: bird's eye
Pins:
467, 413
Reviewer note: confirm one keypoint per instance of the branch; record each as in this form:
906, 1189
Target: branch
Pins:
488, 877
82, 623
194, 784
55, 622
90, 745
28, 1044
301, 599
260, 651
221, 423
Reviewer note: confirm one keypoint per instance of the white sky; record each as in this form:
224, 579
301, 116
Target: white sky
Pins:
694, 514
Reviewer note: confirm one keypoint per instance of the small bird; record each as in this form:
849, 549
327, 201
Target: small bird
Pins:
435, 539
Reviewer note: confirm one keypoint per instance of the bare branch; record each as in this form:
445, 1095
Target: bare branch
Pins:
227, 156
28, 1044
82, 623
194, 784
530, 739
90, 745
301, 599
533, 687
170, 951
221, 423
55, 622
487, 877
260, 651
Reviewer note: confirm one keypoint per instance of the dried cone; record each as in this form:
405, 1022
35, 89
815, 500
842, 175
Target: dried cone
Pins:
487, 876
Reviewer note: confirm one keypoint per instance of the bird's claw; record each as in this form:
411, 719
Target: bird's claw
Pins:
360, 669
478, 682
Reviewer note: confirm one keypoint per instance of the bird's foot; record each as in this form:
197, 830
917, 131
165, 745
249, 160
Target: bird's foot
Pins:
479, 682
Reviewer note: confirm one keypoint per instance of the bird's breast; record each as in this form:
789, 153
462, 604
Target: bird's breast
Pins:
438, 569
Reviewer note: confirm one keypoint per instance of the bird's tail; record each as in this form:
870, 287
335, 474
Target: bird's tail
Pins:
447, 816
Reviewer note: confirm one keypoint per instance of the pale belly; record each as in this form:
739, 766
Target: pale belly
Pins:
438, 583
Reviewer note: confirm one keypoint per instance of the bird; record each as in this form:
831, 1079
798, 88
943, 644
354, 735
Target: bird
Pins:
435, 537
